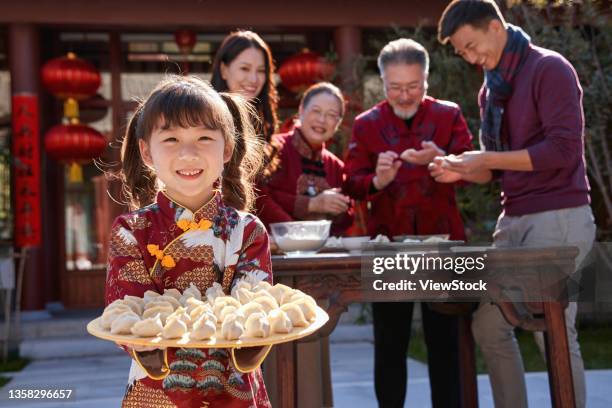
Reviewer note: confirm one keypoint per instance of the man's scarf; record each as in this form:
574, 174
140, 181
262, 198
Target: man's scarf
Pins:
498, 88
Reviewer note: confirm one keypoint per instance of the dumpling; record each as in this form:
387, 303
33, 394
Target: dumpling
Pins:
193, 303
262, 293
174, 328
149, 327
117, 303
308, 306
227, 310
192, 292
175, 293
221, 302
111, 314
214, 292
268, 303
149, 295
204, 328
167, 298
136, 299
243, 295
133, 304
280, 292
181, 313
240, 284
280, 321
257, 325
159, 303
263, 285
124, 322
295, 314
232, 328
200, 310
250, 308
162, 311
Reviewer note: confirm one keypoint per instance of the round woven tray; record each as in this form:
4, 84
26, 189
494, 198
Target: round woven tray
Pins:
216, 341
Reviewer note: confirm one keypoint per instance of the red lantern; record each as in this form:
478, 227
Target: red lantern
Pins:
186, 40
304, 69
70, 77
74, 144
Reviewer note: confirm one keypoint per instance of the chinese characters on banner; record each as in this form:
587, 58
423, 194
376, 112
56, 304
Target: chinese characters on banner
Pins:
26, 169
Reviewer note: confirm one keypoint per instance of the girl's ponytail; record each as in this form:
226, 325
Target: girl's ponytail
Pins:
241, 170
138, 180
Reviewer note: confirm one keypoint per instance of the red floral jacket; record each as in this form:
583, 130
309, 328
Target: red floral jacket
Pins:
231, 245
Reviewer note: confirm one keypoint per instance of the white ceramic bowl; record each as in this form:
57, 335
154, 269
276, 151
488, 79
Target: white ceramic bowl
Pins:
353, 244
300, 237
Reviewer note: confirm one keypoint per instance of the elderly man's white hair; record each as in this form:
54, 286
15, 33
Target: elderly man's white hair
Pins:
403, 51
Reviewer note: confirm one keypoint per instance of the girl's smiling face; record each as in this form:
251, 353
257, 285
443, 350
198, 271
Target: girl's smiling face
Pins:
187, 161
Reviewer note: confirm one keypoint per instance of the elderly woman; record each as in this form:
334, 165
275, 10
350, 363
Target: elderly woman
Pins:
306, 184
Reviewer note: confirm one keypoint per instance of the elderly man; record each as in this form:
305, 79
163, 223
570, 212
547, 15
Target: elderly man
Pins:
386, 164
532, 138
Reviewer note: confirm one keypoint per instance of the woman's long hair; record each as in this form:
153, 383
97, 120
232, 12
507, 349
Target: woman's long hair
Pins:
266, 103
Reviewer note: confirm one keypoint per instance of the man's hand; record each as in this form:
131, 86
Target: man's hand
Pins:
330, 201
467, 162
387, 165
441, 174
424, 156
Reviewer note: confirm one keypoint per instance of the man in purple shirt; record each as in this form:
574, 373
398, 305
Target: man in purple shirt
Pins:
531, 137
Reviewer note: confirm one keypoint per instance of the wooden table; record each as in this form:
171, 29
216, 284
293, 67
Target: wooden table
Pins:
336, 277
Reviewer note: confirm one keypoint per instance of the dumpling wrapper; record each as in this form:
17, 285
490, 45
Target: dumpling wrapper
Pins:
243, 295
167, 298
221, 302
134, 305
173, 292
162, 311
193, 303
257, 325
200, 310
174, 328
181, 313
124, 322
310, 311
280, 321
192, 292
215, 291
204, 328
232, 328
268, 303
280, 292
136, 299
240, 284
250, 308
295, 314
263, 285
109, 315
149, 327
149, 295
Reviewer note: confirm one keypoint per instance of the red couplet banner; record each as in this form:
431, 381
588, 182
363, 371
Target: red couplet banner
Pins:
26, 169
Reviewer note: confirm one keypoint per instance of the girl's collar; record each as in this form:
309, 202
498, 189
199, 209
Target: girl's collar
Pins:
207, 211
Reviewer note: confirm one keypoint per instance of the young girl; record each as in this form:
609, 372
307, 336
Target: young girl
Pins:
188, 160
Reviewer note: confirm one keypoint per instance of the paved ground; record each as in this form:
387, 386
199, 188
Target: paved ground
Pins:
99, 381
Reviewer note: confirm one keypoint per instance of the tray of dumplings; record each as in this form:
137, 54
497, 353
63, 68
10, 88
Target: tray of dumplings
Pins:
256, 314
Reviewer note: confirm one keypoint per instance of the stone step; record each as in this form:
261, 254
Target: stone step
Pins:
64, 347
